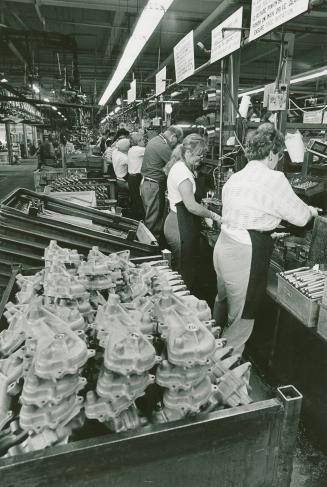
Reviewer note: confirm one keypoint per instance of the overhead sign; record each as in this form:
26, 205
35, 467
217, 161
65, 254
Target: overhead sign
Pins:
224, 42
268, 14
129, 97
161, 81
133, 90
184, 57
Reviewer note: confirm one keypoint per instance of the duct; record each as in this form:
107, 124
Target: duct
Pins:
225, 8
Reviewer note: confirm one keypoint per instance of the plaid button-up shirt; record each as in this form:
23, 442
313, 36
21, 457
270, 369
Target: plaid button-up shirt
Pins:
258, 198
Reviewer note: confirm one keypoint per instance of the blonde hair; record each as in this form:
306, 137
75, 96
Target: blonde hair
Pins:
195, 143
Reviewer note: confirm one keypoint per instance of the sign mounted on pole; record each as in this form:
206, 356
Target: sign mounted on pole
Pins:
129, 97
268, 14
184, 57
224, 42
133, 90
161, 81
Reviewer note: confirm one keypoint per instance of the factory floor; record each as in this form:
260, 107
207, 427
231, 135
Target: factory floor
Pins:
310, 464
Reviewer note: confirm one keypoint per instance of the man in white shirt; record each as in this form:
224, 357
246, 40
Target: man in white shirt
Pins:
120, 165
120, 160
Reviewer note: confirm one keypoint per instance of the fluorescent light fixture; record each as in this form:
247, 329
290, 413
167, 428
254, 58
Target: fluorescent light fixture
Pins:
318, 73
146, 24
251, 92
184, 125
175, 93
4, 80
46, 99
309, 76
54, 108
59, 113
117, 109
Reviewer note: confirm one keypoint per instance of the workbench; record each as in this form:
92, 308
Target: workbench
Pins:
286, 351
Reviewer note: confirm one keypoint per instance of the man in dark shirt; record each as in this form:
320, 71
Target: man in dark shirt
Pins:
46, 151
153, 186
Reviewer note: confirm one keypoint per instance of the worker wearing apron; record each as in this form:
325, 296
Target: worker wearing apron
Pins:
255, 200
183, 223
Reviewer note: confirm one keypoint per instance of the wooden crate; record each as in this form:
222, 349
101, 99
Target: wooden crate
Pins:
249, 446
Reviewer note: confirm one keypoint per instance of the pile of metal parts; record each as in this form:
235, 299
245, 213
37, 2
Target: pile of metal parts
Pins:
303, 182
74, 183
308, 281
91, 339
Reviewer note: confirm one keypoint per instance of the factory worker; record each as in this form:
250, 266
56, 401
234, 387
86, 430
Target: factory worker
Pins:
120, 164
182, 224
153, 186
255, 200
135, 160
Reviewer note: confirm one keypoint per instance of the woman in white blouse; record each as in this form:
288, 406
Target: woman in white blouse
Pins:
181, 225
255, 200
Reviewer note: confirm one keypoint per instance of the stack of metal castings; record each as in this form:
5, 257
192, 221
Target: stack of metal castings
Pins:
74, 183
308, 281
45, 372
193, 374
95, 338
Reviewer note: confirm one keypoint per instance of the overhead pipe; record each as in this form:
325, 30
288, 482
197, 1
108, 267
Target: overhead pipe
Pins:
224, 9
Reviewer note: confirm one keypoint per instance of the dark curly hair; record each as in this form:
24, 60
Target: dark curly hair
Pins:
263, 140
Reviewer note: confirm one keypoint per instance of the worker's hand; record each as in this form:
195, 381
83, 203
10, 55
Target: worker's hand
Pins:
209, 222
314, 211
215, 217
279, 235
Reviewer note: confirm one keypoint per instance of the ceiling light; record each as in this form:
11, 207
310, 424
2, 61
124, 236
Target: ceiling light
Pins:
54, 108
307, 77
251, 92
318, 73
117, 109
146, 24
59, 113
3, 80
46, 99
35, 88
175, 93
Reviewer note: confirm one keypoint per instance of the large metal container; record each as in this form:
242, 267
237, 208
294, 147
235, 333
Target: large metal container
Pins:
247, 446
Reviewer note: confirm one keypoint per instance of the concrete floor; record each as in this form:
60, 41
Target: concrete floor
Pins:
310, 464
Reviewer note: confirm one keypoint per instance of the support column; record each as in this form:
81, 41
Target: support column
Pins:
25, 139
232, 80
9, 143
285, 78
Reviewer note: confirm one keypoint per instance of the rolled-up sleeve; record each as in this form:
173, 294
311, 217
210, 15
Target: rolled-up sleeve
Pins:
290, 207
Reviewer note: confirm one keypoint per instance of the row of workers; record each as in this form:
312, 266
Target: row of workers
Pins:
255, 200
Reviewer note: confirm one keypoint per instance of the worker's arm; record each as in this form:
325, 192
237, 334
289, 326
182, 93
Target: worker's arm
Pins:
186, 191
290, 207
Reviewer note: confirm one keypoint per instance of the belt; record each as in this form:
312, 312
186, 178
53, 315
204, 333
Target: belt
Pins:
150, 179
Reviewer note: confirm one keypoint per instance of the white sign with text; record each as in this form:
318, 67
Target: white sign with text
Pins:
224, 42
268, 14
161, 81
133, 90
129, 97
184, 57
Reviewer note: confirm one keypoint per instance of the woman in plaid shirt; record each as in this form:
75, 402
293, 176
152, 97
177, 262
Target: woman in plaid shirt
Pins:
255, 200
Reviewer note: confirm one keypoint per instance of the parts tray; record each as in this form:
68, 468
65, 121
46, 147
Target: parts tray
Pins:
24, 235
